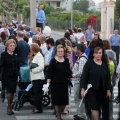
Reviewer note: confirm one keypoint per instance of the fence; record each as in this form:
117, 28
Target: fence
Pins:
63, 25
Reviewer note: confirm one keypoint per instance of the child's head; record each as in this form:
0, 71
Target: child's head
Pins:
69, 50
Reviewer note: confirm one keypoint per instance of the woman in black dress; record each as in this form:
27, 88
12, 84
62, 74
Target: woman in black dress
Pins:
96, 72
58, 75
10, 65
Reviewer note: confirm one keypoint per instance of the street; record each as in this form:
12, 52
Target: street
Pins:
25, 112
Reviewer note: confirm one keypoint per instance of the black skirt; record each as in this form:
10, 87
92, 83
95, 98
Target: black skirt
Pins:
59, 93
10, 84
95, 99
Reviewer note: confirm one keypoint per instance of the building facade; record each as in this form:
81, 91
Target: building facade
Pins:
65, 4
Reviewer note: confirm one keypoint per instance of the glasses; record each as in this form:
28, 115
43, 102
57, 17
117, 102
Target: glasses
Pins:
95, 34
60, 51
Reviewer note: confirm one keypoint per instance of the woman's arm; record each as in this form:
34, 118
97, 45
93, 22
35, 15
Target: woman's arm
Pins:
69, 71
84, 76
1, 62
50, 71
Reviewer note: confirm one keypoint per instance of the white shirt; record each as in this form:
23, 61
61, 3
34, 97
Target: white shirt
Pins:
79, 35
44, 48
47, 31
30, 41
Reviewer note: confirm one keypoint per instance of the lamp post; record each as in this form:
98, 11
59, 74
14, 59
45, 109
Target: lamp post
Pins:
71, 14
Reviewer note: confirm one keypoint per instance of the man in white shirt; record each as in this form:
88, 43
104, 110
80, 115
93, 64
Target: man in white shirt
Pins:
46, 30
43, 46
44, 49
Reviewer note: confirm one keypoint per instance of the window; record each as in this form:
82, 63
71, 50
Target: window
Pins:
58, 4
49, 3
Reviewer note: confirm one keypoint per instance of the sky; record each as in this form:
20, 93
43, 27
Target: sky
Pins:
98, 1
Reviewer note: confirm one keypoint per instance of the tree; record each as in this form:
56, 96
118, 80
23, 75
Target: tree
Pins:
117, 7
49, 9
12, 6
82, 5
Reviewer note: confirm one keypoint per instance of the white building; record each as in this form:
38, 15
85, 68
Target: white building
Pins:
92, 5
98, 8
59, 3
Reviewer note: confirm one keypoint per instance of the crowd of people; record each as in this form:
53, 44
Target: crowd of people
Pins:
76, 60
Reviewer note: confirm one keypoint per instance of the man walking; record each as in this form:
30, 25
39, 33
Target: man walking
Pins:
77, 72
23, 49
88, 34
40, 17
115, 43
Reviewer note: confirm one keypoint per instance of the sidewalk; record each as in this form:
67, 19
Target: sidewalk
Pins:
57, 32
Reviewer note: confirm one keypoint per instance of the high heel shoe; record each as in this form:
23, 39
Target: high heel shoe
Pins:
9, 112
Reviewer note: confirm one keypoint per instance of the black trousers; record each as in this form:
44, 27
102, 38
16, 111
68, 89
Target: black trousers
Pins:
88, 43
40, 25
116, 49
119, 89
105, 110
37, 90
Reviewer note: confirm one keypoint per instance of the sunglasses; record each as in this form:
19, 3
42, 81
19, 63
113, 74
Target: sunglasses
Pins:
95, 34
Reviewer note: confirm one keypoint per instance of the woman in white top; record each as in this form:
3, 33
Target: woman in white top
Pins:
37, 76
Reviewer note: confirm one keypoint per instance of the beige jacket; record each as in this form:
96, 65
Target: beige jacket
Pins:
37, 73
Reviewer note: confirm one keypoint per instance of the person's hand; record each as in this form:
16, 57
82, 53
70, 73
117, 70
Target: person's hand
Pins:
83, 93
48, 84
108, 93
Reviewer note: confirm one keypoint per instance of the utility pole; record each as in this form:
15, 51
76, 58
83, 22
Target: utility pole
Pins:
71, 14
32, 14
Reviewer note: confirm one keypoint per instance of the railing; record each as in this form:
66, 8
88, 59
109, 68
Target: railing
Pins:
63, 25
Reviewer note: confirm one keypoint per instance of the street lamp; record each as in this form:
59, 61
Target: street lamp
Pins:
71, 14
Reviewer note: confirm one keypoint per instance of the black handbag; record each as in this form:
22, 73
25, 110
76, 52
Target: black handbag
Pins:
33, 65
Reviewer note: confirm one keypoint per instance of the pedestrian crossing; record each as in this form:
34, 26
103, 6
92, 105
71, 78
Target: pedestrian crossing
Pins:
25, 113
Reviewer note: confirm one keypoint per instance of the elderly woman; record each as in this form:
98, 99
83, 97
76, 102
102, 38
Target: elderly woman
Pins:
37, 76
10, 65
58, 76
96, 72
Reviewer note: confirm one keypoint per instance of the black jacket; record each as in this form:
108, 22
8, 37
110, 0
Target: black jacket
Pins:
53, 74
9, 65
93, 73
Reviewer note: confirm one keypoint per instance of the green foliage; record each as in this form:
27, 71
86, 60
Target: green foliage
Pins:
82, 6
117, 7
19, 6
43, 3
49, 9
58, 15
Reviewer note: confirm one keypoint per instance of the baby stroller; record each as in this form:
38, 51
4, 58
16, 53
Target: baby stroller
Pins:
23, 96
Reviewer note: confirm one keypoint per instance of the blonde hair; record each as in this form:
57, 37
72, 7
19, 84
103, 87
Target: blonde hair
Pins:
60, 46
35, 47
9, 42
68, 49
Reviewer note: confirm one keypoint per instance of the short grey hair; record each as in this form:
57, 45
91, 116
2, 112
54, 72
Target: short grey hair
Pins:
110, 54
35, 37
42, 37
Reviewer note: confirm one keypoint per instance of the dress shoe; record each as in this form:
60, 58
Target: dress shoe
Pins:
75, 116
9, 112
37, 111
